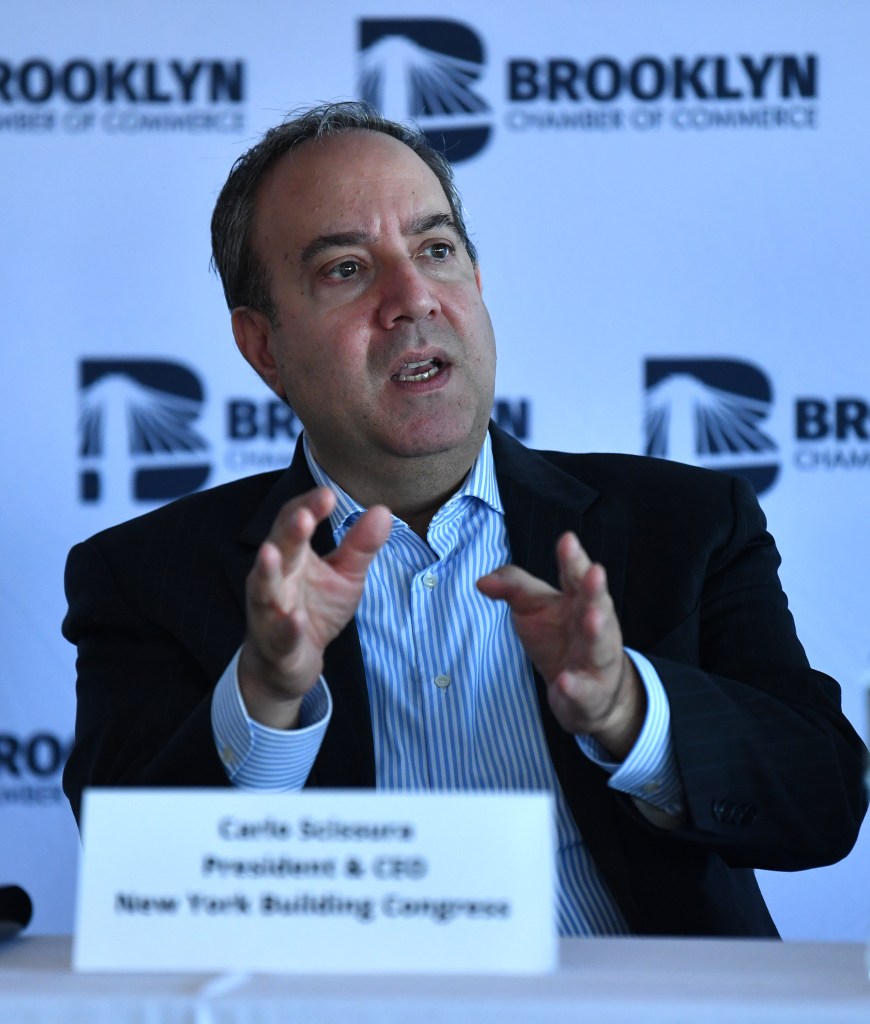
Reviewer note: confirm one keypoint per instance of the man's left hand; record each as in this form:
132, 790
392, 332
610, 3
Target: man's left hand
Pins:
574, 640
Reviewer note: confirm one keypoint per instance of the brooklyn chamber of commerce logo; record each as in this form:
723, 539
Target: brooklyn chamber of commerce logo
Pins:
137, 440
709, 412
427, 70
122, 95
432, 70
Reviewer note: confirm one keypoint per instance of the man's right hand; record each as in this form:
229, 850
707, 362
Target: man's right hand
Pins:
298, 602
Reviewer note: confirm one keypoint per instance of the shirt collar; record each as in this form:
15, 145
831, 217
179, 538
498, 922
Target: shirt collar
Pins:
480, 483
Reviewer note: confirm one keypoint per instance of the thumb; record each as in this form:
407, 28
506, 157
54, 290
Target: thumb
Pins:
363, 541
522, 591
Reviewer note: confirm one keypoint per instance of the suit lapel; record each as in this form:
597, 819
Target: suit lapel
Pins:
346, 757
542, 501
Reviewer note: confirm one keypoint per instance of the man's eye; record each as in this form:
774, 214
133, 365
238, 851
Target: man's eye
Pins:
345, 269
439, 250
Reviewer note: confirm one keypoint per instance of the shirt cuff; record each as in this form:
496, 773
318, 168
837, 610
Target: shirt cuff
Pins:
649, 772
257, 757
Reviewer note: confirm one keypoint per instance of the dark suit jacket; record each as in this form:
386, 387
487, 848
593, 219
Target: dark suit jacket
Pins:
771, 769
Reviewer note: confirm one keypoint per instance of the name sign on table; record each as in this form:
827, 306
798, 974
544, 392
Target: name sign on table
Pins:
337, 881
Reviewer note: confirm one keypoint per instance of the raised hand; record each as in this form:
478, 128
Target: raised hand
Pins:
297, 602
574, 640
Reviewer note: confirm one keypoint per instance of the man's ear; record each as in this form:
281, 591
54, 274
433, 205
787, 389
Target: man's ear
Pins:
253, 333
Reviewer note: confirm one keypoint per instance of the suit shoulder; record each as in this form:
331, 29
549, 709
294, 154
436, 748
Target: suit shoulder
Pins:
224, 509
647, 485
664, 491
606, 470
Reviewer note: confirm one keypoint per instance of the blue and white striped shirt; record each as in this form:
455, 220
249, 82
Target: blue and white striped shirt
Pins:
451, 690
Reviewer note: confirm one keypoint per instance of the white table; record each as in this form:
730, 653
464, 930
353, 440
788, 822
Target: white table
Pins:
614, 980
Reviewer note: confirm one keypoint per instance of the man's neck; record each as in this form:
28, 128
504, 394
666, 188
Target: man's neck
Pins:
413, 489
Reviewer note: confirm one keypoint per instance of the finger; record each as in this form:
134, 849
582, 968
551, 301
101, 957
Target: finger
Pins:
362, 542
573, 563
265, 579
298, 519
601, 630
522, 591
595, 582
585, 582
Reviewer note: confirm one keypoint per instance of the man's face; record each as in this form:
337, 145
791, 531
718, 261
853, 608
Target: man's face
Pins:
383, 345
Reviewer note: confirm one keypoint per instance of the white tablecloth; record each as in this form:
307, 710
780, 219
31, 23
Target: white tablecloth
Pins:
620, 981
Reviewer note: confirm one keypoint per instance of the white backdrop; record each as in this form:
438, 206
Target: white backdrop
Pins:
671, 205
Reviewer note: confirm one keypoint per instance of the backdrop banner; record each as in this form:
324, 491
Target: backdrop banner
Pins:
671, 206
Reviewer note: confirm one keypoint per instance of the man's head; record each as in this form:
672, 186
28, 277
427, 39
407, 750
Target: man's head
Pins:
363, 306
245, 280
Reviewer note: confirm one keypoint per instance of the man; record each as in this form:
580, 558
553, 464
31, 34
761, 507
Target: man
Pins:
419, 601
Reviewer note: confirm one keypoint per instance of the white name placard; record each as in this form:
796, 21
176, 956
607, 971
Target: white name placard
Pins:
337, 881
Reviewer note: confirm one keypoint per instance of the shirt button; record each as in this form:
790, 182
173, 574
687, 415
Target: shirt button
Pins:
651, 787
227, 755
430, 581
442, 682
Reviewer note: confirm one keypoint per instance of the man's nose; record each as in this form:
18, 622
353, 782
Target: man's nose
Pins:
406, 294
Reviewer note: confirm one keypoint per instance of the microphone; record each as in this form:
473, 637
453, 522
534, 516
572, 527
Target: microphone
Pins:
15, 911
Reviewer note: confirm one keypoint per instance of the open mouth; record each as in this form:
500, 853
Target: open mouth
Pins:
425, 369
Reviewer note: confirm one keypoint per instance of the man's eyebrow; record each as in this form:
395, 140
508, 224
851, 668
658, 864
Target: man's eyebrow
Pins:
431, 222
338, 240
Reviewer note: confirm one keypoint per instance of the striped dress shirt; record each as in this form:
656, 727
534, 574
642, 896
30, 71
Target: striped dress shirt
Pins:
451, 691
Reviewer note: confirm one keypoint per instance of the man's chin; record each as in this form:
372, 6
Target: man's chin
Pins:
432, 440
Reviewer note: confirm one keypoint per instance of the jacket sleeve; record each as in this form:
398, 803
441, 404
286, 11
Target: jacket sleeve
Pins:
143, 694
771, 768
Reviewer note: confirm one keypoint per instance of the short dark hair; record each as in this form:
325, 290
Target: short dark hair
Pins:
245, 280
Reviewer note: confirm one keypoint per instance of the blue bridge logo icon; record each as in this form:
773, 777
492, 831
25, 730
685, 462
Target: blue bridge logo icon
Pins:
709, 412
136, 435
427, 70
